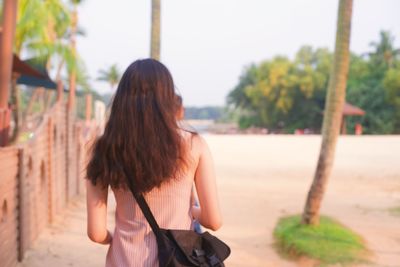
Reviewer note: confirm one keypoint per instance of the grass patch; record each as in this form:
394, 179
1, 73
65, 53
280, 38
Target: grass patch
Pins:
328, 243
395, 211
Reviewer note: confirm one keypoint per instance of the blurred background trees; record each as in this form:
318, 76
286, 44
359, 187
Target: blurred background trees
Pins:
283, 94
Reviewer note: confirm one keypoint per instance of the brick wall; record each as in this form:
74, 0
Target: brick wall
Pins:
9, 194
38, 178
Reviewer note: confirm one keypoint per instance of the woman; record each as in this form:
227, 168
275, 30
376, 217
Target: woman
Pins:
142, 139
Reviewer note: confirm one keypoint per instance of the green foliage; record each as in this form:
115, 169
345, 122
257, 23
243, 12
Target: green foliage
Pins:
248, 121
384, 55
82, 77
369, 94
40, 25
391, 84
44, 30
112, 75
31, 23
329, 242
373, 86
284, 95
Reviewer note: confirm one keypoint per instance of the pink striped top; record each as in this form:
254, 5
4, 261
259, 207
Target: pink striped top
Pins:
134, 244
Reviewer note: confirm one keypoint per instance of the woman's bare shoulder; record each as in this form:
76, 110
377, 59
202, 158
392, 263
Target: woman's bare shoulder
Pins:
200, 142
195, 142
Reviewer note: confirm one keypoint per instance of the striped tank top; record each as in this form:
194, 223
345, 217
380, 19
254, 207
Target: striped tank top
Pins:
134, 243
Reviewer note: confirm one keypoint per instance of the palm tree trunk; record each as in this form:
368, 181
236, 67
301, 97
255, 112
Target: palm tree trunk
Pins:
16, 103
6, 60
72, 76
155, 29
333, 114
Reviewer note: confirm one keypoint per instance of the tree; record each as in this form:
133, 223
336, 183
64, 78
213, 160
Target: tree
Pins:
30, 27
284, 95
333, 113
371, 85
391, 84
52, 48
385, 53
73, 70
155, 29
112, 75
38, 34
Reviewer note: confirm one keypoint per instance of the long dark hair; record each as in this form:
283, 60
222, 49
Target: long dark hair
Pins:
141, 140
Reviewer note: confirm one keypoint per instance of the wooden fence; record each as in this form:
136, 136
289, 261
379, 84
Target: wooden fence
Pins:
38, 178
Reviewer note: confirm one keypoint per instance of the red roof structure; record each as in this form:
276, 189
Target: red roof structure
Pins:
23, 68
350, 110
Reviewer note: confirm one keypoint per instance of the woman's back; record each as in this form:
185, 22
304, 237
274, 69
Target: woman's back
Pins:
134, 243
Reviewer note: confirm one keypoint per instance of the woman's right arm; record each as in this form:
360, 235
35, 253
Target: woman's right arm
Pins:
209, 213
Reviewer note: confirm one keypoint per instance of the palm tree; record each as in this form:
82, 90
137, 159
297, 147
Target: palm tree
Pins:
82, 77
38, 33
384, 50
333, 114
52, 46
72, 71
30, 28
111, 75
155, 29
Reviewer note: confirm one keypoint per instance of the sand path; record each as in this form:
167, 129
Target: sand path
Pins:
262, 178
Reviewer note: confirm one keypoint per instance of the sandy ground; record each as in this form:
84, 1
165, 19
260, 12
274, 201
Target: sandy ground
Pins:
262, 178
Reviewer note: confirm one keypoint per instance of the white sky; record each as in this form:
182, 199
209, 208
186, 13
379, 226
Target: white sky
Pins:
207, 43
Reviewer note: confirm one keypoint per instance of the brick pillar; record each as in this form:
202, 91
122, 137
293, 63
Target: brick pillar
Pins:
60, 91
88, 113
5, 117
50, 171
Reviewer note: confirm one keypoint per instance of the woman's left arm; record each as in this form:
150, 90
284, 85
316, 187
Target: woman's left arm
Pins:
96, 200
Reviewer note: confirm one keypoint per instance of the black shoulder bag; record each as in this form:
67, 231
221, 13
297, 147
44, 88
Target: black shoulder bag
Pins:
184, 248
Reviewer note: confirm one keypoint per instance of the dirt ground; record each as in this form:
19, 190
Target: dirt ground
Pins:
262, 178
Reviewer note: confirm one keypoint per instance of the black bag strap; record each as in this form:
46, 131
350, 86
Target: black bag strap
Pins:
146, 212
